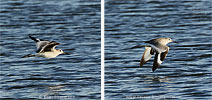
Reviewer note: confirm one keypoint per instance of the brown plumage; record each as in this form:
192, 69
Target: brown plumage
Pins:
159, 48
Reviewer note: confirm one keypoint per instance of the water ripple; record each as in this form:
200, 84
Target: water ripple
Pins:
75, 24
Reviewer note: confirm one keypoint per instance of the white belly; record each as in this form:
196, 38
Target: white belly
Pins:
48, 54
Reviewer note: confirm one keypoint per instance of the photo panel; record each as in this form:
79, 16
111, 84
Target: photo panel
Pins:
134, 28
66, 63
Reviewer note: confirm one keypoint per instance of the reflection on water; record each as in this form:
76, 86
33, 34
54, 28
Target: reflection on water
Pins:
185, 74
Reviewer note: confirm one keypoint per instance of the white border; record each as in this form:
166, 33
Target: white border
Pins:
102, 49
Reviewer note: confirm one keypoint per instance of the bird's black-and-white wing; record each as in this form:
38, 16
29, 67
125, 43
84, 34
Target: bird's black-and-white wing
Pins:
159, 58
157, 61
163, 54
40, 44
49, 47
146, 55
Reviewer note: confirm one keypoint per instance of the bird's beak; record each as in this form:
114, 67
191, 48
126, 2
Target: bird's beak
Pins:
174, 41
65, 53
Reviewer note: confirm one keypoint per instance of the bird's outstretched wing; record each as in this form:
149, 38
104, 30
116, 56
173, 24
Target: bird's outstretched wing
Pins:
40, 44
163, 54
146, 55
49, 47
157, 61
35, 39
159, 57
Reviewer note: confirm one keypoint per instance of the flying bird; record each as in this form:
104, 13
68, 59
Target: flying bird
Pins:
45, 49
159, 48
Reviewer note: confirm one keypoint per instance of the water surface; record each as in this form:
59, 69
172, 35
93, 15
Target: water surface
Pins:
73, 23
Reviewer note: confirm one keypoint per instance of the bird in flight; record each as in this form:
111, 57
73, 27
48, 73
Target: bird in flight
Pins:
159, 48
45, 49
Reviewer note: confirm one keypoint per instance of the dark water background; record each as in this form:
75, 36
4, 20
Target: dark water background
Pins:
73, 23
186, 72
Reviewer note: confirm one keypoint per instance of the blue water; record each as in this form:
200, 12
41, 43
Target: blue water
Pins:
73, 23
186, 72
184, 75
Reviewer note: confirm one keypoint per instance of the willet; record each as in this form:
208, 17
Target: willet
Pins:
45, 49
159, 47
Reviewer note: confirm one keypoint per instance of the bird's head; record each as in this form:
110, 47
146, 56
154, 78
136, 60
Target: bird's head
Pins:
167, 40
62, 52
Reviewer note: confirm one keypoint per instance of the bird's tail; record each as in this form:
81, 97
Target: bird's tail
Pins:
35, 39
29, 55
